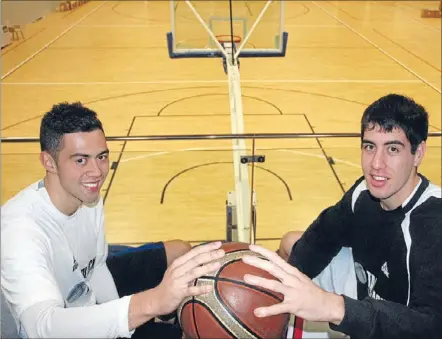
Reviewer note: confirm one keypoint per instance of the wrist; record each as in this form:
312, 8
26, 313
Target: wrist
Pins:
142, 308
336, 308
151, 303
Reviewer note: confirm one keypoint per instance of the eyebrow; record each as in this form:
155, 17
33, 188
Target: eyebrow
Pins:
81, 155
391, 142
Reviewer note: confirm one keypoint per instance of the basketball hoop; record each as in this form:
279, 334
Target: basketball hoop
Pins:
226, 41
228, 38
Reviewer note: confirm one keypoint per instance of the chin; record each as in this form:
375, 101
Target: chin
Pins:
378, 194
90, 202
382, 197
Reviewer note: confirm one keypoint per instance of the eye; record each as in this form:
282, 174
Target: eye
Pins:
80, 161
103, 157
393, 149
368, 147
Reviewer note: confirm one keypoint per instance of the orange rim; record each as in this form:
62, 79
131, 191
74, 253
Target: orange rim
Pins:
228, 38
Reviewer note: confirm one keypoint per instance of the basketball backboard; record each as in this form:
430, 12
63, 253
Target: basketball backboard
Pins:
258, 25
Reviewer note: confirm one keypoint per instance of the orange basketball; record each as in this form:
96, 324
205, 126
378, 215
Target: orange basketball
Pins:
227, 311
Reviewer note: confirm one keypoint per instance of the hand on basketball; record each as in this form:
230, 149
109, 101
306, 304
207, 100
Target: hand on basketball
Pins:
176, 283
302, 296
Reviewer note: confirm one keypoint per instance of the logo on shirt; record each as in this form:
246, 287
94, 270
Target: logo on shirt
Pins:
77, 292
360, 273
88, 269
365, 277
75, 266
384, 269
80, 292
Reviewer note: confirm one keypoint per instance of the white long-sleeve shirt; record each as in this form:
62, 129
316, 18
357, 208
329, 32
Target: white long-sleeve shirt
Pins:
53, 270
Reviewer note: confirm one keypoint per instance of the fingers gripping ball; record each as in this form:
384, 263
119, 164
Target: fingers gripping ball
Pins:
227, 311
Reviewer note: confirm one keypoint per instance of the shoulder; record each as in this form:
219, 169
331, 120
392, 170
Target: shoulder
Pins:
356, 193
426, 216
22, 232
22, 203
429, 202
21, 213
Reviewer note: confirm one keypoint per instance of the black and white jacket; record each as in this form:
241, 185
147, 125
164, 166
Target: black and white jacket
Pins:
398, 261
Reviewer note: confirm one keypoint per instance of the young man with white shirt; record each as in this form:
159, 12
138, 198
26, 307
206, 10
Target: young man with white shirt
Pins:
370, 265
54, 270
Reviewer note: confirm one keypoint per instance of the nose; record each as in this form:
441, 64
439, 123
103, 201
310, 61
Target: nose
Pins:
378, 160
94, 169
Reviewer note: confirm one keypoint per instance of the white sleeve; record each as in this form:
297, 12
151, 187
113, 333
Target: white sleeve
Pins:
48, 320
31, 289
102, 282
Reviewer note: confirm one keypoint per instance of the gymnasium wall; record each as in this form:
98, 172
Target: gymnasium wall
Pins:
23, 12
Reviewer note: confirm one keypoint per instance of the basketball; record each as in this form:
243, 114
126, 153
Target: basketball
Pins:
227, 311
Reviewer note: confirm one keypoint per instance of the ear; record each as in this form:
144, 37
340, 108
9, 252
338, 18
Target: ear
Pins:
48, 162
420, 152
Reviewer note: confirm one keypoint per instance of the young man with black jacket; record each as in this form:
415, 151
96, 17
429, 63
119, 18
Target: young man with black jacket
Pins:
374, 257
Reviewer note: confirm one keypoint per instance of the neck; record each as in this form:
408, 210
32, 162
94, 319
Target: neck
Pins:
399, 198
62, 200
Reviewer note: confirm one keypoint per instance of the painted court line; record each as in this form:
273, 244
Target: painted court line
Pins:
319, 156
157, 24
123, 26
50, 42
184, 82
314, 26
379, 48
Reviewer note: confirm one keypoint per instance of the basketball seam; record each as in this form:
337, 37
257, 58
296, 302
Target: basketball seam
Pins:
251, 287
191, 302
240, 282
193, 312
233, 315
218, 278
194, 318
230, 315
219, 321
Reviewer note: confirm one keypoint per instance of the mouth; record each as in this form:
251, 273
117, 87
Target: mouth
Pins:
92, 186
378, 180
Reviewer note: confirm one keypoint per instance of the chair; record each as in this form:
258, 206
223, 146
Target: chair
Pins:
16, 31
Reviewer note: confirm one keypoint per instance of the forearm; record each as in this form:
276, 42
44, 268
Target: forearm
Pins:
117, 318
48, 320
142, 308
372, 319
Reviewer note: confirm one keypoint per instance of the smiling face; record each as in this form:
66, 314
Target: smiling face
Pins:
79, 171
390, 169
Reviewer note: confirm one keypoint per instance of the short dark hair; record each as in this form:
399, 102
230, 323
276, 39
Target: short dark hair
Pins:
65, 118
394, 110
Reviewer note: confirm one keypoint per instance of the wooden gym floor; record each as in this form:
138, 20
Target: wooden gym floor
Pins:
112, 56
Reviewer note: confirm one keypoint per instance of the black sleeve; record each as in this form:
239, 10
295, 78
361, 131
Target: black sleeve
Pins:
325, 237
381, 319
422, 318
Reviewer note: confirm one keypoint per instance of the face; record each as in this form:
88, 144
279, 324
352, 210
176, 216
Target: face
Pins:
82, 165
390, 169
